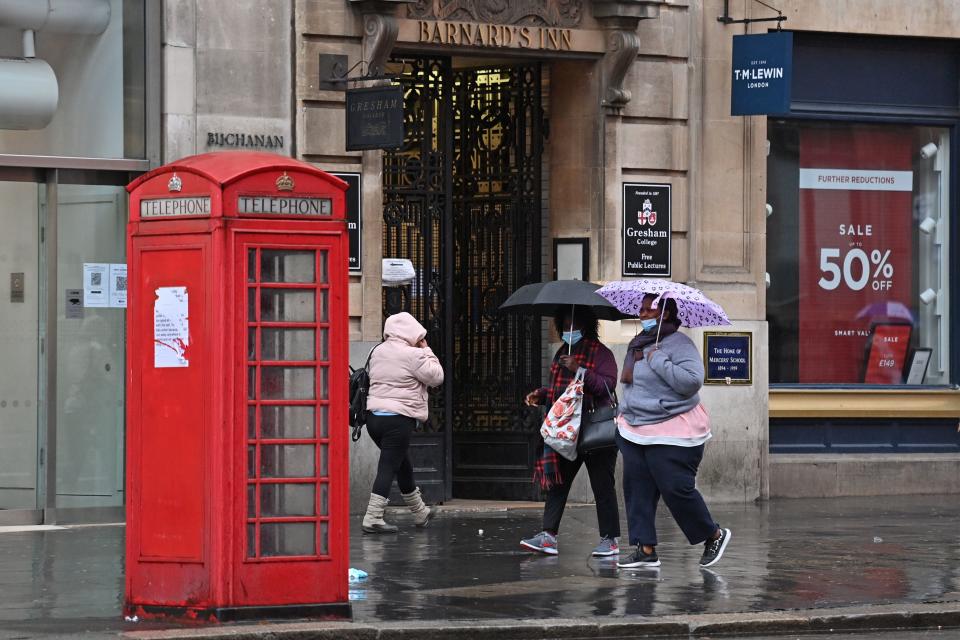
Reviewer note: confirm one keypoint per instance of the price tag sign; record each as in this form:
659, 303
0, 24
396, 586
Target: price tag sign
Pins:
856, 248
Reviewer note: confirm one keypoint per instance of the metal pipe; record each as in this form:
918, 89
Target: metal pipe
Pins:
30, 93
84, 17
29, 51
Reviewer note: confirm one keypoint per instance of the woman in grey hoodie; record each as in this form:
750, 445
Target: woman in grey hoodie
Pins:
661, 432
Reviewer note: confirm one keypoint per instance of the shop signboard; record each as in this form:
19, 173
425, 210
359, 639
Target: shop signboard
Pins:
646, 229
354, 217
856, 253
727, 357
761, 74
374, 118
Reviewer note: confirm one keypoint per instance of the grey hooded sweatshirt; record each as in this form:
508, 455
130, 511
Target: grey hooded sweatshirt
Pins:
666, 385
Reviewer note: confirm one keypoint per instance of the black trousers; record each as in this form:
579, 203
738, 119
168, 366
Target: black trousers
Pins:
392, 435
601, 466
660, 470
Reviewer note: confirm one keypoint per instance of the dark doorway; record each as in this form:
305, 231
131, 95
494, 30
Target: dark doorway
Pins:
462, 201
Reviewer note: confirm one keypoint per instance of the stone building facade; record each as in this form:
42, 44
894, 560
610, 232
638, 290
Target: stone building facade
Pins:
531, 128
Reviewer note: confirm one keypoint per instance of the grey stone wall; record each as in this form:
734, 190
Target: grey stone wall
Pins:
228, 69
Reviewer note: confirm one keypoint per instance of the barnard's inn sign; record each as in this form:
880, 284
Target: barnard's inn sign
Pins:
519, 24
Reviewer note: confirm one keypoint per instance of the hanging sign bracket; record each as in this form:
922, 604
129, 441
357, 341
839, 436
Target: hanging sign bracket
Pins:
727, 19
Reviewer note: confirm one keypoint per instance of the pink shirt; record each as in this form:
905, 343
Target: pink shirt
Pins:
690, 429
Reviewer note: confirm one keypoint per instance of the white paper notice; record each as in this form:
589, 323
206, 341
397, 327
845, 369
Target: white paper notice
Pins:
96, 284
118, 285
171, 329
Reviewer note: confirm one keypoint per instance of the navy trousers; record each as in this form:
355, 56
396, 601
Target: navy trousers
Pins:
651, 472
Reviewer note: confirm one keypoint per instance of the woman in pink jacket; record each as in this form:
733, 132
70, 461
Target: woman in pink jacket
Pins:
402, 368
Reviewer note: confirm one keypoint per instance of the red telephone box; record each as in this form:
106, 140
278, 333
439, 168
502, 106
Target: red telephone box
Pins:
237, 465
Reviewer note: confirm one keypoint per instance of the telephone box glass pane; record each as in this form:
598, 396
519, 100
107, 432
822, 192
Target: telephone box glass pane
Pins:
251, 540
324, 275
324, 419
252, 265
251, 382
286, 266
287, 422
251, 305
324, 345
287, 500
252, 344
324, 499
251, 462
288, 344
287, 383
324, 306
324, 535
287, 539
251, 501
287, 305
287, 461
324, 387
251, 422
323, 460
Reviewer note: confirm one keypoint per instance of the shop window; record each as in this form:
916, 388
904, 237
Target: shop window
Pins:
857, 254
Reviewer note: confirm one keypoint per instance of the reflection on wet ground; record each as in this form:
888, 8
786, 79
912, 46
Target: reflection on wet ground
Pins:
795, 554
783, 555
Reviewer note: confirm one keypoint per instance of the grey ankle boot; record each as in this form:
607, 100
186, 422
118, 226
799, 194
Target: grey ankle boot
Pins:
373, 518
421, 512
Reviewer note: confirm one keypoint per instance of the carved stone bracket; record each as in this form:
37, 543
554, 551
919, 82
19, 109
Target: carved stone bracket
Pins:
380, 31
620, 19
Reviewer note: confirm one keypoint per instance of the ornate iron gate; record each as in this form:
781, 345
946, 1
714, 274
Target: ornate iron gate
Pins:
462, 201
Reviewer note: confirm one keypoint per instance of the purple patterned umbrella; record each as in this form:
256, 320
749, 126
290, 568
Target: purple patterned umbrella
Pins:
694, 308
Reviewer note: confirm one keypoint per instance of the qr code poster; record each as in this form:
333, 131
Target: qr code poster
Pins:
96, 291
104, 285
118, 285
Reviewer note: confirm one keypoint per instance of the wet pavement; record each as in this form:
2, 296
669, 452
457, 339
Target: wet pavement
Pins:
784, 555
796, 554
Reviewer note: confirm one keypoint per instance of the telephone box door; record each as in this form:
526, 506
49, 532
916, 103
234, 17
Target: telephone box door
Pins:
291, 299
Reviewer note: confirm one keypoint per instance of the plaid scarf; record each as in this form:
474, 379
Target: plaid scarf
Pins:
546, 470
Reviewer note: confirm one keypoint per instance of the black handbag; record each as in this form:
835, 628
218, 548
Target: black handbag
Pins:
598, 428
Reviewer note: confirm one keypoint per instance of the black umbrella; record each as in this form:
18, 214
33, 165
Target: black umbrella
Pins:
553, 297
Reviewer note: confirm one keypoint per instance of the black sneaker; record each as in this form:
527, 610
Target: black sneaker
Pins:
713, 549
640, 559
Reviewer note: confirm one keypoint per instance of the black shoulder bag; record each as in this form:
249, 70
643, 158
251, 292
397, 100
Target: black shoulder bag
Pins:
598, 428
359, 388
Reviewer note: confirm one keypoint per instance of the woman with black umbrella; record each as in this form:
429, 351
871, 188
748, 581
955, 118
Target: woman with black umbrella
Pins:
578, 328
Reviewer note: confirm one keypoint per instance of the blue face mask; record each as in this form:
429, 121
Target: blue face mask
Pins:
572, 337
648, 324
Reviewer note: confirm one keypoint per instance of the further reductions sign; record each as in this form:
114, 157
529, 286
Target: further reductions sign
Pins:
856, 255
646, 229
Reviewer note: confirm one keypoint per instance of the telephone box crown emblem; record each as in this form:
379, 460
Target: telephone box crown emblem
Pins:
175, 183
284, 182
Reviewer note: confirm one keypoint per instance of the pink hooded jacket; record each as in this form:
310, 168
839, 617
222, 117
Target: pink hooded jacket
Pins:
401, 372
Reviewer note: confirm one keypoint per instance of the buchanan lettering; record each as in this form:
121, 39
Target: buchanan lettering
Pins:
244, 140
472, 34
267, 205
171, 207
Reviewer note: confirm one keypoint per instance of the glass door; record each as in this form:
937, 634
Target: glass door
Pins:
20, 297
287, 389
91, 222
291, 542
